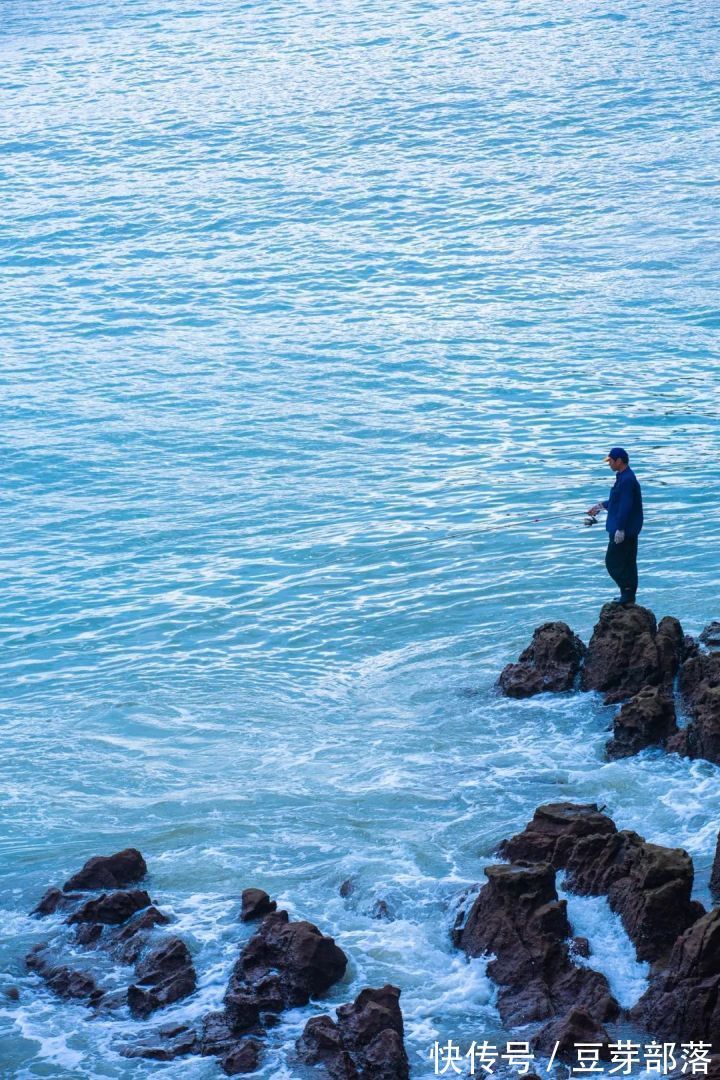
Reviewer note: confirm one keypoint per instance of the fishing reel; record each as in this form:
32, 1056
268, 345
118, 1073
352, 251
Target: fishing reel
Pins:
590, 519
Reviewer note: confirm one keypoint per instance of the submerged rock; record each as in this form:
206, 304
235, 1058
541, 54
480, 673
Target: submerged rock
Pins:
244, 1058
628, 651
365, 1041
647, 885
551, 662
647, 719
518, 918
165, 1044
109, 872
63, 981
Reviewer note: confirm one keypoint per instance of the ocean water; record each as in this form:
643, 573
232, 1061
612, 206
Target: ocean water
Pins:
317, 321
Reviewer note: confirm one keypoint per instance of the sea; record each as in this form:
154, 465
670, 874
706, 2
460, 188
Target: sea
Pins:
317, 321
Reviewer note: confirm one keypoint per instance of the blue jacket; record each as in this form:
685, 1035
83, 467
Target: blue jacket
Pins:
624, 507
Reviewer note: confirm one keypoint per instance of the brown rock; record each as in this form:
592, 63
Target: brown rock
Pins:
245, 1058
165, 975
518, 918
568, 1032
55, 900
683, 1000
647, 719
628, 651
109, 872
710, 636
550, 663
700, 687
63, 981
366, 1041
164, 1044
111, 909
256, 904
647, 885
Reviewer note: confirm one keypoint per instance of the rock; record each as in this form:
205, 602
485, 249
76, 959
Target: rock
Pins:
245, 1058
647, 885
568, 1032
347, 888
380, 910
111, 909
256, 904
217, 1038
710, 636
284, 964
131, 938
700, 688
715, 873
550, 663
164, 1044
63, 981
580, 946
366, 1040
628, 651
55, 900
12, 993
647, 719
109, 872
164, 976
518, 918
683, 1000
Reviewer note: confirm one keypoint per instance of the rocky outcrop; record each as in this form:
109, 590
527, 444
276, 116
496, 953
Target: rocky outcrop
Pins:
64, 981
111, 909
700, 689
518, 918
647, 885
715, 873
256, 904
165, 975
283, 965
683, 1000
647, 719
710, 636
629, 651
108, 872
563, 1036
551, 662
165, 1044
366, 1041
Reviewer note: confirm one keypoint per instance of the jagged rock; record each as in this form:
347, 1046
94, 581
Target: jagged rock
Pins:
518, 918
647, 885
131, 938
568, 1032
55, 900
550, 663
700, 688
683, 1000
710, 636
109, 872
111, 909
715, 873
628, 651
164, 976
580, 946
245, 1058
347, 888
283, 964
647, 719
217, 1038
166, 1044
366, 1040
256, 904
64, 981
380, 910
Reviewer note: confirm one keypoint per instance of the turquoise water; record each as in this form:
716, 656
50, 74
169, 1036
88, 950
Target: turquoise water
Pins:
309, 311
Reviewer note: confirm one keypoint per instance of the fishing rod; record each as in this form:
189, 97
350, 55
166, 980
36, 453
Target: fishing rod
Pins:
551, 516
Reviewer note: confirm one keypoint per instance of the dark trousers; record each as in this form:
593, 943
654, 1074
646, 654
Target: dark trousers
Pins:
621, 563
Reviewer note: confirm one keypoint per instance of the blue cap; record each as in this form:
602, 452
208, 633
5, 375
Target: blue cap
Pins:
618, 452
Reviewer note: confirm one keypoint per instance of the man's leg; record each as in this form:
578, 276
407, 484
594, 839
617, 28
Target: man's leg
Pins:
621, 563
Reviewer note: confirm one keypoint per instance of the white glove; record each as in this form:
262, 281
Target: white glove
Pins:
619, 536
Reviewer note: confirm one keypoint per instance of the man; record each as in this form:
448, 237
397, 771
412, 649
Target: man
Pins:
624, 522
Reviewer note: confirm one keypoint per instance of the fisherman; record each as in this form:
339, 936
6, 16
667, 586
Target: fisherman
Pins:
624, 522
